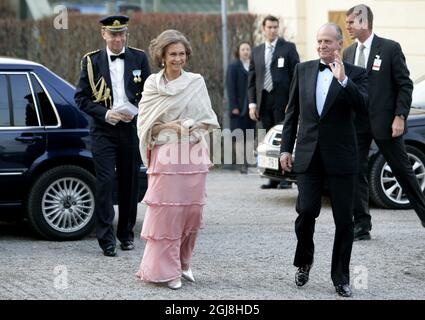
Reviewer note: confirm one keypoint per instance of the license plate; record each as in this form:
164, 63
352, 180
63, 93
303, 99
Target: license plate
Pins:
268, 162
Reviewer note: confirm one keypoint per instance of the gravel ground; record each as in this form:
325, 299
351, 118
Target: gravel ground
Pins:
244, 252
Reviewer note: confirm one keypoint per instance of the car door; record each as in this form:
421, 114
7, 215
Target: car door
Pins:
22, 136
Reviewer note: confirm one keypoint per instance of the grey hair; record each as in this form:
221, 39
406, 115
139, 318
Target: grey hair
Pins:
158, 45
339, 36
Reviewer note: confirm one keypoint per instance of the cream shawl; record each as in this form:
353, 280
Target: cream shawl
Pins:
183, 98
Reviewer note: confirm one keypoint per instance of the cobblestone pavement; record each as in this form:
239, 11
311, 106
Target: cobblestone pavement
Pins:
245, 251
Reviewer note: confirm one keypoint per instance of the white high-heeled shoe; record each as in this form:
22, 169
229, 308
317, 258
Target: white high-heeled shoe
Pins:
188, 275
175, 284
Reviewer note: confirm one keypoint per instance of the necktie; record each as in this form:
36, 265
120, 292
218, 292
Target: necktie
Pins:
268, 81
118, 56
323, 67
361, 61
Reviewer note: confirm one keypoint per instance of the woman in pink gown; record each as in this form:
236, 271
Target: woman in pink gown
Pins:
175, 114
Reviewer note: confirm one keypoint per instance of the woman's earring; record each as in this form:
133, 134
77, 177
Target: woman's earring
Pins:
162, 64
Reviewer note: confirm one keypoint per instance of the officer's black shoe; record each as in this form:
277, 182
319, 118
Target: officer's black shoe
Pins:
362, 236
110, 251
302, 275
362, 232
343, 290
127, 245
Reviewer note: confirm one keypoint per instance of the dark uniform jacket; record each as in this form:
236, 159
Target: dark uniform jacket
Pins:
95, 72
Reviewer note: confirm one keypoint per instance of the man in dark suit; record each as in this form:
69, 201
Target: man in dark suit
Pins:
325, 94
390, 96
109, 90
270, 74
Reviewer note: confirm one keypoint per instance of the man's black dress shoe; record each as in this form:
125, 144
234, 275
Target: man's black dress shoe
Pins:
110, 251
343, 290
270, 185
362, 236
284, 185
302, 274
127, 245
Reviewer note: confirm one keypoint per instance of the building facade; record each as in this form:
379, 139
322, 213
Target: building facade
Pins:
400, 20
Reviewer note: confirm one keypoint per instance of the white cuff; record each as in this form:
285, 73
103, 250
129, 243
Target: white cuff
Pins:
252, 105
110, 121
344, 82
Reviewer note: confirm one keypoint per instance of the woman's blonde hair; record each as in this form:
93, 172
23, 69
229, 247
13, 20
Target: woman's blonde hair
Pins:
158, 45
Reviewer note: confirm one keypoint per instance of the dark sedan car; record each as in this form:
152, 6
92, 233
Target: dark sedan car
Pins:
46, 165
385, 191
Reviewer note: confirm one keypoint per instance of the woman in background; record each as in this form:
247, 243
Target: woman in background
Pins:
237, 86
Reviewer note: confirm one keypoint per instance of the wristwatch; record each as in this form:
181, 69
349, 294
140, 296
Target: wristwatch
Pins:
401, 116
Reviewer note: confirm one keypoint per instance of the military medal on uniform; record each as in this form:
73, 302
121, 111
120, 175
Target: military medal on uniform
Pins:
137, 76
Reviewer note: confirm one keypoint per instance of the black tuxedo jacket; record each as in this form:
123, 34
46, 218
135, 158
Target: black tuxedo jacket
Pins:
135, 59
390, 88
281, 77
236, 83
333, 132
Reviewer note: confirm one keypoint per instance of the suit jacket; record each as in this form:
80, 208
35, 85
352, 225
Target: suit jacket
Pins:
281, 77
390, 88
135, 59
333, 132
236, 83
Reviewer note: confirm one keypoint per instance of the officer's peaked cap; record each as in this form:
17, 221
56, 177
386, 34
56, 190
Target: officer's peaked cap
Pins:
115, 23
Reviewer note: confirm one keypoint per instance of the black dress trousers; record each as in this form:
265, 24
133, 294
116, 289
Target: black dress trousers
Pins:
113, 148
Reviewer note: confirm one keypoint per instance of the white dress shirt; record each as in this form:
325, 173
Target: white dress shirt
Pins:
245, 64
366, 51
116, 70
324, 80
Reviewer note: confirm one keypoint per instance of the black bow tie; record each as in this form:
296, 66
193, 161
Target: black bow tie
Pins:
323, 66
118, 56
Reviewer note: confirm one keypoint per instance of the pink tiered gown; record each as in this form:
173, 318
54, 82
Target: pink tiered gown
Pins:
175, 199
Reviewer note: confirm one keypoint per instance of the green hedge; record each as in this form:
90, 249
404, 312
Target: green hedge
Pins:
61, 50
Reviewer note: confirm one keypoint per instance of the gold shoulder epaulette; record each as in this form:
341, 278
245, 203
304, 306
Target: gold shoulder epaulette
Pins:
100, 90
137, 49
90, 53
86, 55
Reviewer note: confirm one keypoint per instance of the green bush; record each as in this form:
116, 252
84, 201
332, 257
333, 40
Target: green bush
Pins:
61, 50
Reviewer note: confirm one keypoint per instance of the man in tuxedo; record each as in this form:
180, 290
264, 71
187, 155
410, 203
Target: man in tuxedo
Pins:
324, 97
390, 96
270, 74
109, 91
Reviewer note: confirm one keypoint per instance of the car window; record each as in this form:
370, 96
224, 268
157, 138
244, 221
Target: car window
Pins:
24, 108
47, 113
4, 102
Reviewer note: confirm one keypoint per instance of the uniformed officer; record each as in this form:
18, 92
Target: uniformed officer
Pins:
109, 90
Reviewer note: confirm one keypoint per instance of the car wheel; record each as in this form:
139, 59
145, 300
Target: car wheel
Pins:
61, 203
385, 191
